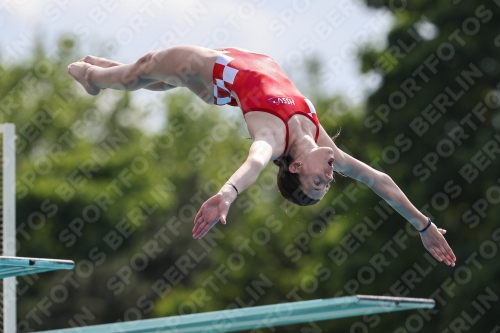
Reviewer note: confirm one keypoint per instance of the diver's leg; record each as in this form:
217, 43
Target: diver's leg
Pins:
121, 77
182, 66
101, 62
106, 63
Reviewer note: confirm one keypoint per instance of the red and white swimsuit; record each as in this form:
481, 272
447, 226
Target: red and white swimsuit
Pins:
260, 85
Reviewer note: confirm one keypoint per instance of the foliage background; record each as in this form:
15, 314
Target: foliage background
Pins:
142, 233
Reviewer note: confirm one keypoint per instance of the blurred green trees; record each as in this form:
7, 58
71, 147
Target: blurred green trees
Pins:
119, 201
441, 90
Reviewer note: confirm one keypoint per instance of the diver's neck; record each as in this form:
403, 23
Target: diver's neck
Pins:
301, 146
301, 139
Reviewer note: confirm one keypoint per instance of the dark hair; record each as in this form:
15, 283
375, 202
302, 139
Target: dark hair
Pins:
289, 183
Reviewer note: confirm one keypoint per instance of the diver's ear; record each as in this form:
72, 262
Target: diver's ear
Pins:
295, 167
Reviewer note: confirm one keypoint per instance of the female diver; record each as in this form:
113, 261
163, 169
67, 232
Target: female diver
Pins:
282, 123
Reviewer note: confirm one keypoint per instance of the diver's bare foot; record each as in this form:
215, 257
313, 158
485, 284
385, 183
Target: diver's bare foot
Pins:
77, 70
101, 62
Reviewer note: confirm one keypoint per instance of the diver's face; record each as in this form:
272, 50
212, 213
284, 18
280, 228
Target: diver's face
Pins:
316, 172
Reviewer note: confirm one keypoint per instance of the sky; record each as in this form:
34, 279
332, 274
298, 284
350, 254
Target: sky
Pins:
289, 31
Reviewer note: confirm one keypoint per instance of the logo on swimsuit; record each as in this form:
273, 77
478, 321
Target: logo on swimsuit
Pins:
281, 100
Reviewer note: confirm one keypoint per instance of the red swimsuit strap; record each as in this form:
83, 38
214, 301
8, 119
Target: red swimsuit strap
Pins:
285, 121
288, 135
286, 141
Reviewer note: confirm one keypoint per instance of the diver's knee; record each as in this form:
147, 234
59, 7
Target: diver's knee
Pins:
145, 65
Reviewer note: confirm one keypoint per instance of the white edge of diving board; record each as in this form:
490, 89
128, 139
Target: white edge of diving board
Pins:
18, 266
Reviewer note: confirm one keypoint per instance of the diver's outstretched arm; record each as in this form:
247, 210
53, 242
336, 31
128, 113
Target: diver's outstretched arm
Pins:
386, 188
218, 205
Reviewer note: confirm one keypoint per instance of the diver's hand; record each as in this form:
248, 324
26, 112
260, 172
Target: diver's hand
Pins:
435, 243
210, 212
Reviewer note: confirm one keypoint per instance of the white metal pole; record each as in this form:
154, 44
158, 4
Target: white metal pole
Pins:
9, 223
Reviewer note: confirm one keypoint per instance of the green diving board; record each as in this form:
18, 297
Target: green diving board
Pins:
261, 316
17, 266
